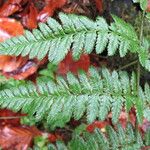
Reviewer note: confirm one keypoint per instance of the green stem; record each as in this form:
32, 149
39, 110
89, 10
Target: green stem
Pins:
141, 41
138, 76
138, 65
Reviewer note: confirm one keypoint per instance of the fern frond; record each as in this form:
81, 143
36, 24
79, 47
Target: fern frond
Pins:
93, 96
79, 33
119, 139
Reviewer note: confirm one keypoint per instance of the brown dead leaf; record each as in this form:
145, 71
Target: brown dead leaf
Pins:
145, 126
49, 9
7, 31
8, 117
7, 27
11, 66
97, 124
68, 64
10, 7
148, 7
17, 138
99, 5
29, 16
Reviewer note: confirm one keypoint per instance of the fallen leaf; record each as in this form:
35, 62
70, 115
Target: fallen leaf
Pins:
10, 7
22, 72
123, 119
145, 148
90, 128
17, 138
99, 5
96, 124
14, 63
8, 117
100, 124
68, 64
49, 9
12, 66
145, 126
148, 7
1, 2
7, 27
80, 7
3, 60
7, 31
52, 138
132, 116
29, 16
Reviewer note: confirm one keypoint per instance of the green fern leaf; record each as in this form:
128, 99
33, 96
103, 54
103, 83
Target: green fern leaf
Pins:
110, 140
81, 34
91, 96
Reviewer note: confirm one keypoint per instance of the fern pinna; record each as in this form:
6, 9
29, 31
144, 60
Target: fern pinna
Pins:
79, 33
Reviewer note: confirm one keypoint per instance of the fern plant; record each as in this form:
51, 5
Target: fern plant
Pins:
91, 96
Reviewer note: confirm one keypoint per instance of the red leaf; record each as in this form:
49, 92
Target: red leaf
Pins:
145, 126
22, 72
52, 138
146, 148
25, 70
74, 123
68, 64
10, 7
49, 9
14, 63
11, 66
123, 119
132, 116
99, 5
3, 60
29, 17
18, 138
7, 27
90, 128
96, 124
148, 7
100, 124
5, 113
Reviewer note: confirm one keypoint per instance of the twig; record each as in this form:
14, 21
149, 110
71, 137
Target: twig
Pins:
128, 65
